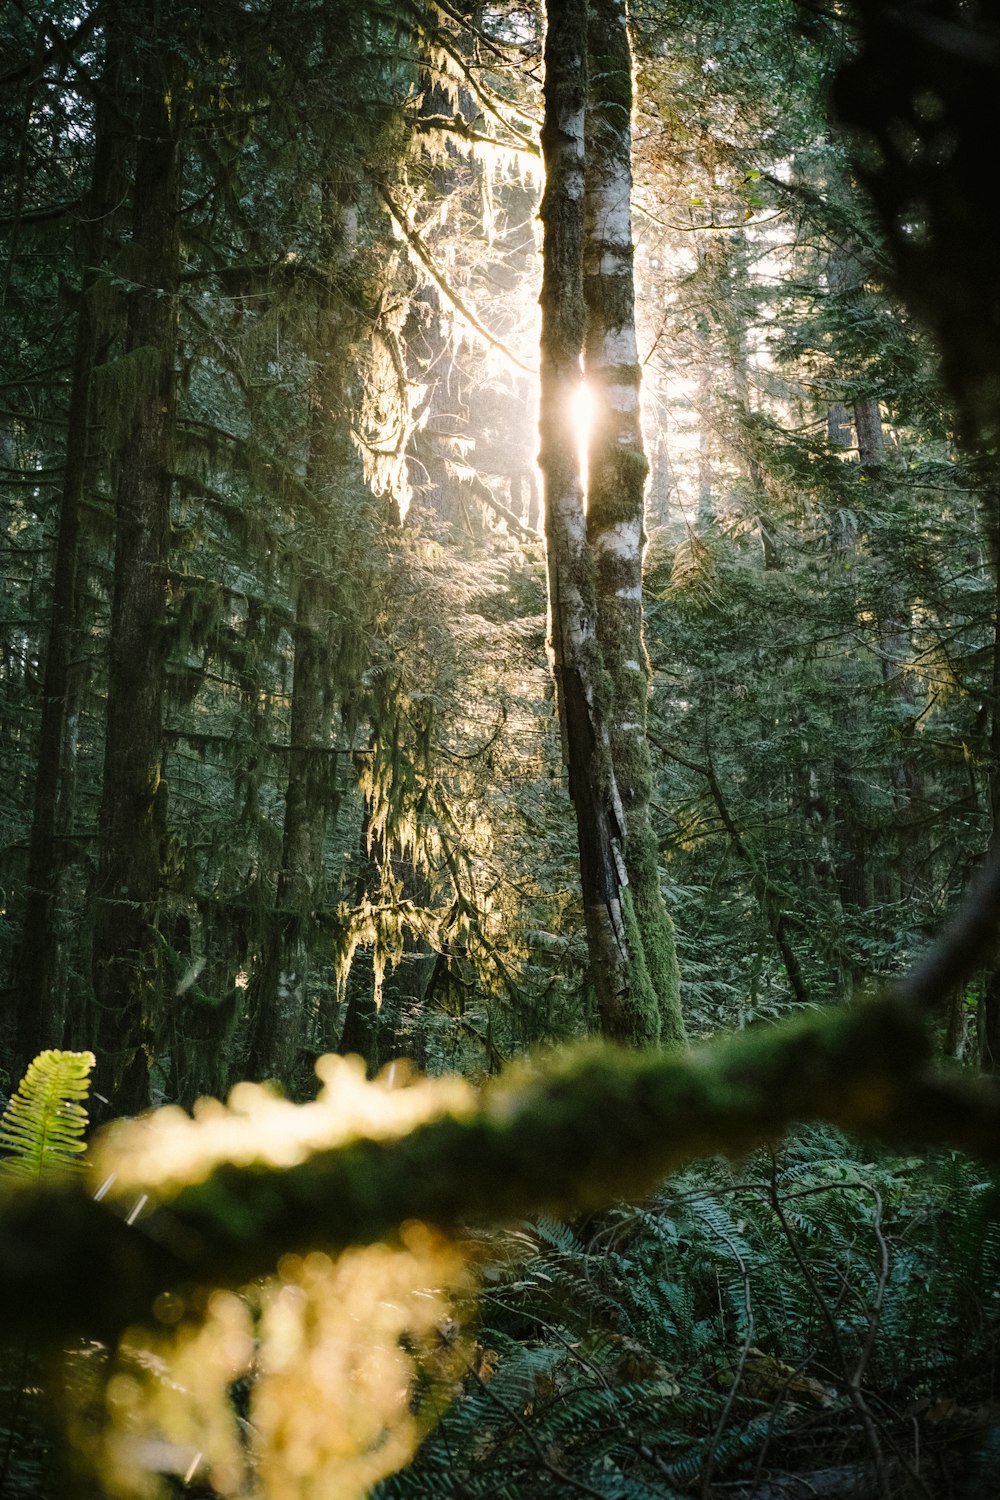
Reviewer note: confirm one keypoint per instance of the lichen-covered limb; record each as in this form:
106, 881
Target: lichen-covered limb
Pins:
596, 1124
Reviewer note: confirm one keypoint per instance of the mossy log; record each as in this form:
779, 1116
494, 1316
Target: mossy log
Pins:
594, 1124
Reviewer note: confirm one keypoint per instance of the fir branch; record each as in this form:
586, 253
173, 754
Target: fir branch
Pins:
420, 250
489, 100
457, 125
60, 46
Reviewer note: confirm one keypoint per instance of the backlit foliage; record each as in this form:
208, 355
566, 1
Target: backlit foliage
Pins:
170, 1149
315, 1382
42, 1129
339, 1366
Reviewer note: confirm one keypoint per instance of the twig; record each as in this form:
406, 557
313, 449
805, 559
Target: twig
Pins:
543, 1458
854, 1392
967, 942
875, 1312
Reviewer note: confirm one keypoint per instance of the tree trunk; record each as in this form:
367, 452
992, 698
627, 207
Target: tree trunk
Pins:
617, 471
988, 1019
42, 961
628, 1004
280, 999
133, 807
281, 976
894, 616
581, 687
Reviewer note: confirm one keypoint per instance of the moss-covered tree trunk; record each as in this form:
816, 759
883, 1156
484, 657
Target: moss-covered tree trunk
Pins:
279, 995
988, 1010
616, 484
42, 965
127, 949
581, 688
322, 667
627, 1002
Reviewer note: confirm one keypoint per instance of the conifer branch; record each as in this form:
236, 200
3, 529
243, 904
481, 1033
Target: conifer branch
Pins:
420, 250
480, 90
59, 46
457, 125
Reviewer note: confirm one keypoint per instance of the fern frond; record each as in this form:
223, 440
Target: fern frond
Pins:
554, 1235
42, 1128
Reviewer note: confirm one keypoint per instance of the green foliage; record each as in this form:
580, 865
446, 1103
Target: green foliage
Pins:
622, 1355
823, 642
42, 1131
42, 1139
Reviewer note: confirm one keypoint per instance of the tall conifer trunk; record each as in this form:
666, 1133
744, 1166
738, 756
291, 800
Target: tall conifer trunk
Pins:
333, 477
126, 963
988, 1010
279, 995
42, 960
581, 688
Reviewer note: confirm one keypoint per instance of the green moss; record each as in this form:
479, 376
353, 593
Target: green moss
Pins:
616, 488
124, 385
661, 962
643, 1009
562, 1135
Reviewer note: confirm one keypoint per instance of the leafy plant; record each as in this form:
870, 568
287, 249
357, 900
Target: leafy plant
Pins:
41, 1136
779, 1316
42, 1129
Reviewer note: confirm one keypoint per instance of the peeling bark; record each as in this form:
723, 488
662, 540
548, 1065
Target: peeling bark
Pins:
617, 470
582, 690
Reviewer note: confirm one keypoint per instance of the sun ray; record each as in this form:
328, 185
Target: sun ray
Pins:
583, 416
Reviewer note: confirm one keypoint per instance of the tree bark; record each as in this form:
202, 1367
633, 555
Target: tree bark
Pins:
617, 470
333, 477
126, 962
42, 959
988, 1018
582, 690
281, 973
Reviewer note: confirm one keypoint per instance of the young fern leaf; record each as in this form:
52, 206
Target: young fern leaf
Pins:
42, 1128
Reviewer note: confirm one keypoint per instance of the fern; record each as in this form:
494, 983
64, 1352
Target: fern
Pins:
41, 1135
42, 1128
617, 1339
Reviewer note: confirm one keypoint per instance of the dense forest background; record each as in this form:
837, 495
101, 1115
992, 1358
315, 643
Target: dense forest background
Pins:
282, 771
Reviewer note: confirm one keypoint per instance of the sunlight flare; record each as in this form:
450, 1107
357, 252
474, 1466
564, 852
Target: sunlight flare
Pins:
583, 420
